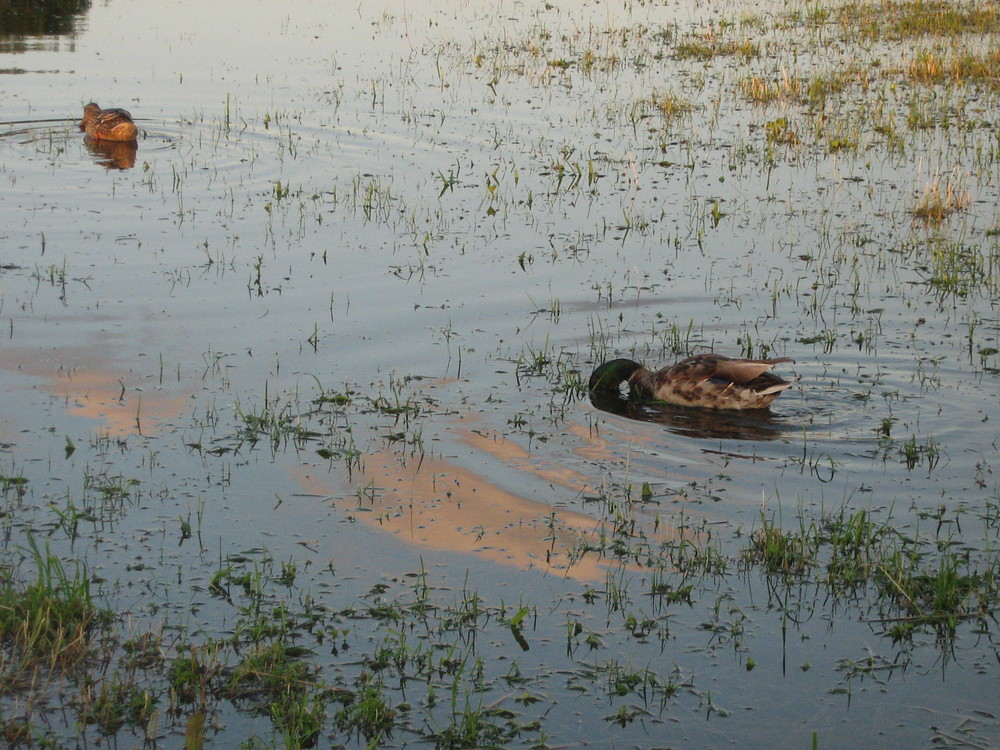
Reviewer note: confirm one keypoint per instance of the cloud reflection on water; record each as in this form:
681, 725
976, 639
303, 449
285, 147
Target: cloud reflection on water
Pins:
436, 503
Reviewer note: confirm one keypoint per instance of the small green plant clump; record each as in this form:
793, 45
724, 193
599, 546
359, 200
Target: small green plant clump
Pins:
52, 620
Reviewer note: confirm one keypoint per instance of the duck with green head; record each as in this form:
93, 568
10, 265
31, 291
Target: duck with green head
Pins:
710, 381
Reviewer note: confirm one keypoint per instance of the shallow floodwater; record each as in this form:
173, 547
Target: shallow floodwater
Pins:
337, 306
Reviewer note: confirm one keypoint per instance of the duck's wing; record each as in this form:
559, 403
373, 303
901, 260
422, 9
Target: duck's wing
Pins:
741, 370
111, 116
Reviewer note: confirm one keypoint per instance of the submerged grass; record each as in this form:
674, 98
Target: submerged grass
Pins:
916, 585
52, 621
780, 551
959, 67
890, 20
937, 594
441, 666
707, 48
940, 200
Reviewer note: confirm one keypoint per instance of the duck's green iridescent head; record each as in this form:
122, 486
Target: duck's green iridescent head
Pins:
609, 376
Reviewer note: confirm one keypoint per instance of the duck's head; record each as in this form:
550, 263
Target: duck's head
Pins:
609, 376
90, 111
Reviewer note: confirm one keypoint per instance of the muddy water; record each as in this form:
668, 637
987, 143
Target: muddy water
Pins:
443, 215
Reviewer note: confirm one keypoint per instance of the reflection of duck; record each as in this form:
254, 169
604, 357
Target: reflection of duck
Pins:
758, 425
108, 124
113, 154
707, 380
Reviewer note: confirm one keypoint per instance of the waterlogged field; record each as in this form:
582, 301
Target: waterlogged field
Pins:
297, 449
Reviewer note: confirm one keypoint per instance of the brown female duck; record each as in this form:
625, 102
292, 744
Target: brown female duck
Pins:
708, 380
108, 124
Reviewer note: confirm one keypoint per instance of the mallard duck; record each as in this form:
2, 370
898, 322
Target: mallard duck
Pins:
707, 380
108, 124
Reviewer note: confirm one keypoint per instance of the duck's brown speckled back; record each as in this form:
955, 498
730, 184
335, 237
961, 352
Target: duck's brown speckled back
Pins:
108, 124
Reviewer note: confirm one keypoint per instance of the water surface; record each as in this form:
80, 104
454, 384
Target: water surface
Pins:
444, 216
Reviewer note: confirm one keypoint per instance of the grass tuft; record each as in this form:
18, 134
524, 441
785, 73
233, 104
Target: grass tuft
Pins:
940, 200
51, 619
